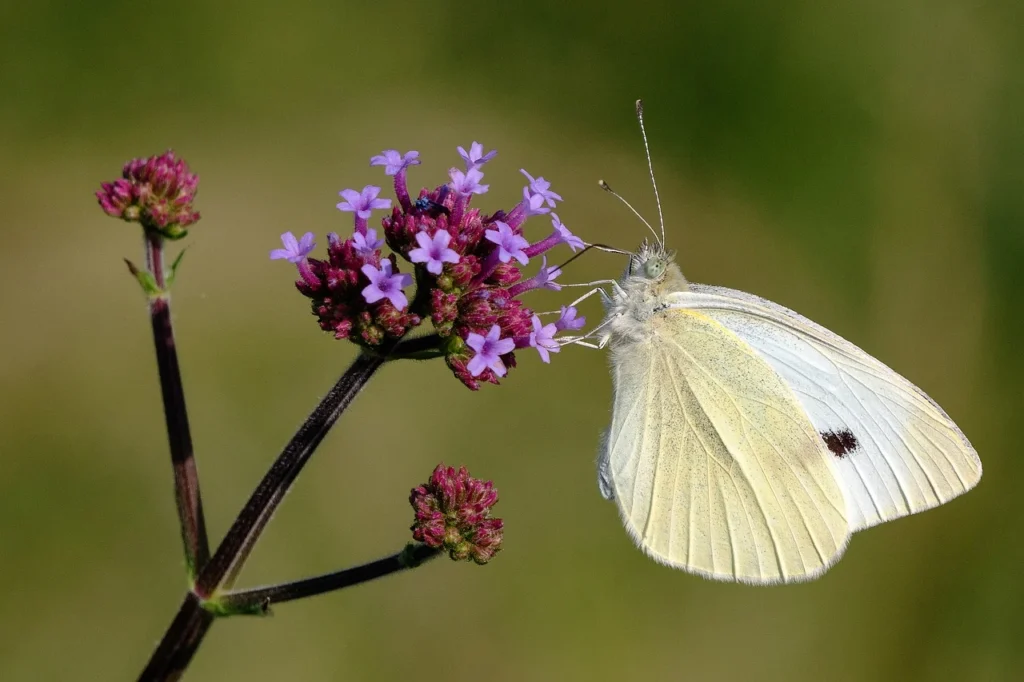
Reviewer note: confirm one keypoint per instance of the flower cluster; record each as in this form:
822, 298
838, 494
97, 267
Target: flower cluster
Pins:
453, 512
467, 268
157, 191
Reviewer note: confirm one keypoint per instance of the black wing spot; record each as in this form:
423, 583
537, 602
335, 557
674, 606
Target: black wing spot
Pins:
841, 443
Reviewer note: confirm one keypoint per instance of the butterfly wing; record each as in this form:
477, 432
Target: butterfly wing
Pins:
897, 451
713, 463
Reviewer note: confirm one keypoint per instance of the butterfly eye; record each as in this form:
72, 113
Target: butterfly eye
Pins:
654, 267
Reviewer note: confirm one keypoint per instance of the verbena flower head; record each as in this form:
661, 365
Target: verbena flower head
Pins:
157, 192
453, 512
464, 270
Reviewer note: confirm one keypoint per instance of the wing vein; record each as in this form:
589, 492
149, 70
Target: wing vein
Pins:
771, 531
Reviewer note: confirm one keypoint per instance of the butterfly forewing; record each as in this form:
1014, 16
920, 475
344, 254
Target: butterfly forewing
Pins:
714, 464
896, 450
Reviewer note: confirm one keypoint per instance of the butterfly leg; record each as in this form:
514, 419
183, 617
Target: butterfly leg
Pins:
578, 341
596, 290
603, 340
582, 340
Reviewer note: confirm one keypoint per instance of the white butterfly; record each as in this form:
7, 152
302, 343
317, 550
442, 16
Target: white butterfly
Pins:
747, 443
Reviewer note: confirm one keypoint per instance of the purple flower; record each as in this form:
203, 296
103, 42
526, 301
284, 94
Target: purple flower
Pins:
565, 235
534, 203
384, 284
489, 350
468, 182
510, 244
294, 251
544, 279
366, 245
560, 235
453, 512
476, 157
434, 252
568, 320
543, 339
394, 162
542, 187
362, 203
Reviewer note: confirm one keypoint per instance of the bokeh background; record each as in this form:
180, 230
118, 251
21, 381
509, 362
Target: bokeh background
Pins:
861, 162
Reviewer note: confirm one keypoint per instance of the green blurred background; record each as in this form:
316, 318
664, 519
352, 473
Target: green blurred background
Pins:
861, 162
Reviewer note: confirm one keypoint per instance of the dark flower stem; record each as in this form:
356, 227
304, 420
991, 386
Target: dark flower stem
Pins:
174, 653
187, 630
189, 627
426, 347
186, 476
241, 537
260, 599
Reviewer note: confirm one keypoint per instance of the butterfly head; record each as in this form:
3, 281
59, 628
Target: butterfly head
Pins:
651, 274
654, 264
650, 261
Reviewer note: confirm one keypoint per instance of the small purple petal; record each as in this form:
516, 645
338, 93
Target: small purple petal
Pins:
294, 251
565, 235
362, 203
489, 350
534, 203
546, 277
394, 162
475, 157
468, 182
384, 284
434, 252
366, 245
542, 187
510, 244
568, 320
543, 339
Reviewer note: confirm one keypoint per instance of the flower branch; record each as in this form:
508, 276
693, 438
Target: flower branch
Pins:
259, 600
187, 631
241, 537
157, 192
186, 476
174, 653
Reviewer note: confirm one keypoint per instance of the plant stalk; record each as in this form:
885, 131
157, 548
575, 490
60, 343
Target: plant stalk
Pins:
179, 436
259, 600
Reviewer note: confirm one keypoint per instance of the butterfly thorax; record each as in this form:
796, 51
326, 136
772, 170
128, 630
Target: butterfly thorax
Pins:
646, 285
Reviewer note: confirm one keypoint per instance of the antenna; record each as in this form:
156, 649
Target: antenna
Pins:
606, 188
650, 167
598, 247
